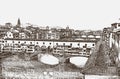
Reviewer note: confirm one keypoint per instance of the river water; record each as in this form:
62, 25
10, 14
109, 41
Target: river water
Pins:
13, 67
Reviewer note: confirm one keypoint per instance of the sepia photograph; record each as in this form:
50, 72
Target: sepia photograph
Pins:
59, 39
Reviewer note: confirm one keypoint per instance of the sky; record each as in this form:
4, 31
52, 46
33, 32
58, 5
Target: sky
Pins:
77, 14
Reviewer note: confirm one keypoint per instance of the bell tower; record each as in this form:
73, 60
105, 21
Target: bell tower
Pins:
18, 23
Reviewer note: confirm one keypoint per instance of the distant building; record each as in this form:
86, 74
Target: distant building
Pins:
12, 33
53, 34
22, 35
66, 34
3, 30
44, 33
8, 25
16, 35
115, 26
9, 34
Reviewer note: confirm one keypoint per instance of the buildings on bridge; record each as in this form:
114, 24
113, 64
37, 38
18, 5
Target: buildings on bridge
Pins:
84, 45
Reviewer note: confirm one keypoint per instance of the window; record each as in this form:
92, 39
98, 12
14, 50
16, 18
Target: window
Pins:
36, 42
18, 41
30, 42
43, 42
93, 44
50, 43
104, 31
25, 42
119, 25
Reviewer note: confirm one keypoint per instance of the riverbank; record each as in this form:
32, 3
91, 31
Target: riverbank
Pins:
101, 77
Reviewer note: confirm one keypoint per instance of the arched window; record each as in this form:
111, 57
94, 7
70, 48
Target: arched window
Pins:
36, 42
30, 42
43, 42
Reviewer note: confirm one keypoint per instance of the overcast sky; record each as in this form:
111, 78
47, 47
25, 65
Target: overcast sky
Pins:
77, 14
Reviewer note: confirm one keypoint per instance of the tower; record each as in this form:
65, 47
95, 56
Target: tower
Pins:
18, 23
